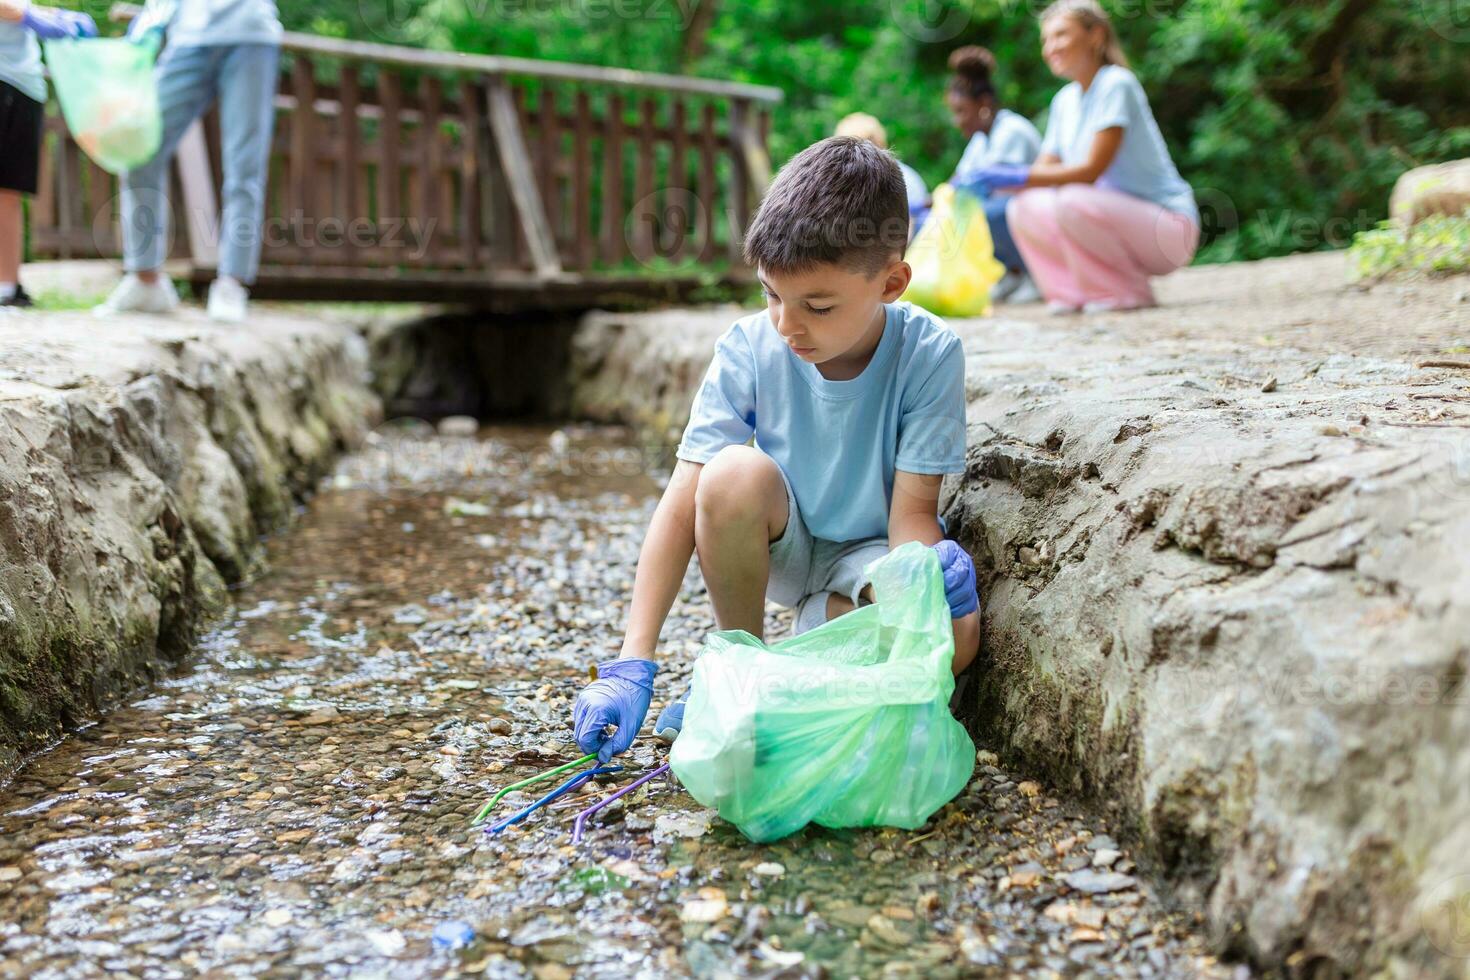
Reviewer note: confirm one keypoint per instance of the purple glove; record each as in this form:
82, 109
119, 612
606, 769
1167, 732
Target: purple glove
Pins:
619, 696
959, 579
998, 176
52, 23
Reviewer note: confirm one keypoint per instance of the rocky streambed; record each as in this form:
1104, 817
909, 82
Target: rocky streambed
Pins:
295, 799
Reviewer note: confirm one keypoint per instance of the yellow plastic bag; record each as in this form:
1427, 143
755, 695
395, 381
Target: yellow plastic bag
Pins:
953, 257
108, 98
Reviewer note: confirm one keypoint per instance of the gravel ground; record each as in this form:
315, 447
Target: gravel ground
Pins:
296, 799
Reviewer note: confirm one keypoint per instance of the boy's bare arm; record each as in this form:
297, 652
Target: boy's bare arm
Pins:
914, 513
12, 10
662, 562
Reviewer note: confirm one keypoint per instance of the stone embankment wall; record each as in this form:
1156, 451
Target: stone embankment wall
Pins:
140, 461
1226, 586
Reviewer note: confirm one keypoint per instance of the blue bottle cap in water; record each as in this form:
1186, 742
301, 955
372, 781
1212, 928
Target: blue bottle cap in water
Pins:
453, 934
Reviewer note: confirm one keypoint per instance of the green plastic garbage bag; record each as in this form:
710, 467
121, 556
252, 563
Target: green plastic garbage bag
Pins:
108, 98
953, 257
846, 725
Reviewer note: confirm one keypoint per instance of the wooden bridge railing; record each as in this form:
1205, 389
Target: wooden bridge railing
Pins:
397, 173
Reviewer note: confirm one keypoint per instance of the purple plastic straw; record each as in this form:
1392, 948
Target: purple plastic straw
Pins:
581, 820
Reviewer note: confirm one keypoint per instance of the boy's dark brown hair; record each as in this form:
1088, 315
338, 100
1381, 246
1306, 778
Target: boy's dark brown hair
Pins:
840, 201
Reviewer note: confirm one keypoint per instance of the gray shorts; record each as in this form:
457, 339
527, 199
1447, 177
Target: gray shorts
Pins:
804, 569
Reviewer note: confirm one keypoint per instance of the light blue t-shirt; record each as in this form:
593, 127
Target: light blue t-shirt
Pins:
20, 60
914, 187
838, 442
205, 23
1012, 139
1142, 167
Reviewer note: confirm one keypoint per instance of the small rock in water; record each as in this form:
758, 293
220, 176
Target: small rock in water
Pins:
1097, 882
412, 614
684, 824
704, 910
453, 934
455, 507
390, 942
458, 426
887, 932
1105, 857
277, 917
769, 869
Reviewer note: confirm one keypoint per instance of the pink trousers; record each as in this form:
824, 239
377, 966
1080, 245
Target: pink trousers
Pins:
1087, 244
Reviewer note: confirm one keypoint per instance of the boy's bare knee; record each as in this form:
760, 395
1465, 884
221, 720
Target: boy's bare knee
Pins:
739, 484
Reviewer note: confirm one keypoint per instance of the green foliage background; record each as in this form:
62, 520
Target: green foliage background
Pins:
1291, 118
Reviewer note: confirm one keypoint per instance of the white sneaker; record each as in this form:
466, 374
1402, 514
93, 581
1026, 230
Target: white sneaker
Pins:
1025, 291
1057, 308
227, 300
1001, 291
133, 295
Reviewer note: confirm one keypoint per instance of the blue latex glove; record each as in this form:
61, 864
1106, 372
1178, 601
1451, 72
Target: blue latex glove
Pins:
52, 23
998, 176
671, 720
619, 696
959, 579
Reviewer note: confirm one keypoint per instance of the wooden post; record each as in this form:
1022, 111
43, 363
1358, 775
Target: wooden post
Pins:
739, 180
304, 140
431, 185
582, 183
201, 210
390, 176
646, 217
549, 137
613, 243
349, 179
679, 200
707, 196
520, 179
469, 172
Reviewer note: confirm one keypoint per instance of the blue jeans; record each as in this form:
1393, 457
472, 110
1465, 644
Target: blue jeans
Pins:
243, 77
1006, 251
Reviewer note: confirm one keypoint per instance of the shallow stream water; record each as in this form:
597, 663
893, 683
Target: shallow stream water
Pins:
294, 800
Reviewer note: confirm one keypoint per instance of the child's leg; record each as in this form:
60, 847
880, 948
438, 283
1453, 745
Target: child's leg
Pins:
247, 119
10, 237
739, 509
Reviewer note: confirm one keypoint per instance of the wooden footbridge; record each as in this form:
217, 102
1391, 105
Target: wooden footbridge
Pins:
509, 183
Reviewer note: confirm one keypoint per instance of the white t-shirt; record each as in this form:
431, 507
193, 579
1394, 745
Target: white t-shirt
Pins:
20, 60
1142, 167
1012, 139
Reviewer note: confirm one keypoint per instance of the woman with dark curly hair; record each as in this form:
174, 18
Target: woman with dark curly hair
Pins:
996, 136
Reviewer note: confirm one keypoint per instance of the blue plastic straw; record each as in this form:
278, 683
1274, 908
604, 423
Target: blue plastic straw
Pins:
560, 791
